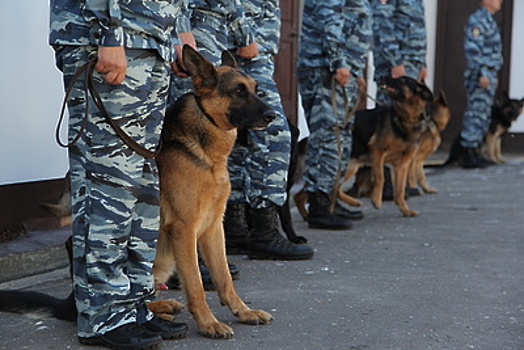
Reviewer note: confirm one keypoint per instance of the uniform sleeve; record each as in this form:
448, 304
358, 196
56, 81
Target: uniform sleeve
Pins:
384, 31
183, 23
109, 16
331, 20
241, 27
474, 40
360, 36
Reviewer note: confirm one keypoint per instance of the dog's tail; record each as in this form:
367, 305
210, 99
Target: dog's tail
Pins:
35, 303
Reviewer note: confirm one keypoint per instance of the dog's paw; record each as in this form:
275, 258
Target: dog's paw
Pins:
430, 190
255, 317
376, 204
409, 213
216, 330
165, 308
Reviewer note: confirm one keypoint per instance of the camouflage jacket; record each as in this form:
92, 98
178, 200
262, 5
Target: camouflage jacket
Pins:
224, 12
264, 17
399, 31
335, 34
482, 43
145, 24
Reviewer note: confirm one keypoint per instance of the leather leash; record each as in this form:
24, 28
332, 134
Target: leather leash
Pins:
90, 88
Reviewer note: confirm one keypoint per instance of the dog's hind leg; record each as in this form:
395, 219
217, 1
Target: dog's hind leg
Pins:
351, 170
212, 248
399, 180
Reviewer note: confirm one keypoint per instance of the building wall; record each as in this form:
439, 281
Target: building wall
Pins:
31, 94
32, 91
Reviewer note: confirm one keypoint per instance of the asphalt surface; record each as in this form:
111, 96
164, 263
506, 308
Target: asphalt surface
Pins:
451, 278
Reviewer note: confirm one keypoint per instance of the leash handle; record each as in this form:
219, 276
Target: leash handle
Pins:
90, 88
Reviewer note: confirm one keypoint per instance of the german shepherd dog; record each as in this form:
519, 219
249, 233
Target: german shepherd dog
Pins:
199, 132
389, 135
198, 135
430, 140
503, 114
385, 135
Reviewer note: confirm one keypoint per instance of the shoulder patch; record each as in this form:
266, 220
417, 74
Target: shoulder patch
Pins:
475, 32
383, 2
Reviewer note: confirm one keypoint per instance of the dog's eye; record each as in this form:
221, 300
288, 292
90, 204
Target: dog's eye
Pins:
240, 90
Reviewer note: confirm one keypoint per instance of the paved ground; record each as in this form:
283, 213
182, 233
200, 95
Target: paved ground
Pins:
451, 278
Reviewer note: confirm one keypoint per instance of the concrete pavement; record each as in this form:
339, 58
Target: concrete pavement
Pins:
451, 278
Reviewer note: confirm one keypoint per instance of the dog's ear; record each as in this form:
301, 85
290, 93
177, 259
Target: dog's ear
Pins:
442, 98
425, 92
201, 71
228, 59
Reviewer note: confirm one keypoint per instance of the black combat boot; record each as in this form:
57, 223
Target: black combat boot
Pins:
346, 213
470, 158
319, 215
265, 240
235, 228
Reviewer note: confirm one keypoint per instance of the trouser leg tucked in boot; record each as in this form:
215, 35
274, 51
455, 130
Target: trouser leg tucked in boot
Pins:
235, 228
470, 158
266, 241
319, 215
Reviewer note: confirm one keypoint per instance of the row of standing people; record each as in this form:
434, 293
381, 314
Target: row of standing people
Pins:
115, 192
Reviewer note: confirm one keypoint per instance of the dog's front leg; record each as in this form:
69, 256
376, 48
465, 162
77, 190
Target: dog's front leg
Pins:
185, 252
351, 170
377, 171
400, 171
212, 248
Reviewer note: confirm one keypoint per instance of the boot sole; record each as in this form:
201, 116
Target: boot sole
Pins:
96, 341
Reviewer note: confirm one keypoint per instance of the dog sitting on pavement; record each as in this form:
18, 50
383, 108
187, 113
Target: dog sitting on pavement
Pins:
198, 134
503, 114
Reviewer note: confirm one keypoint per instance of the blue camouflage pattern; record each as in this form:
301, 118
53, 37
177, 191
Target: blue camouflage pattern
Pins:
259, 168
335, 34
483, 49
132, 24
399, 35
115, 191
213, 24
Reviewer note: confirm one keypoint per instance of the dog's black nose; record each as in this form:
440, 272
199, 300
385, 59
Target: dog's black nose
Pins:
269, 116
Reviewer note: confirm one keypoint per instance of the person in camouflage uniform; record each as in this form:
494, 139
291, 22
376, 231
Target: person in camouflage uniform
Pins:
483, 48
259, 162
335, 40
115, 191
400, 41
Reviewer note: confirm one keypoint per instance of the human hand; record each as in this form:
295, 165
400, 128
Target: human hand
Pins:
422, 74
177, 67
484, 82
112, 63
398, 71
248, 52
342, 75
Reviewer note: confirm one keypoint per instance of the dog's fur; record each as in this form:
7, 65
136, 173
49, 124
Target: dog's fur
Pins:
198, 135
503, 114
385, 135
430, 140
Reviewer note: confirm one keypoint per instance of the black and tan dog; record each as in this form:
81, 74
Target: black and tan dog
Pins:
198, 135
430, 139
389, 135
503, 114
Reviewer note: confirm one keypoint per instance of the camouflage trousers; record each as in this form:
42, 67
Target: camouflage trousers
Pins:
412, 70
258, 165
323, 161
478, 111
211, 38
115, 191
